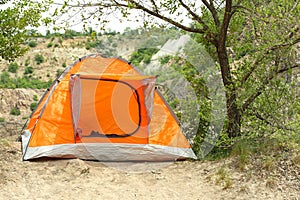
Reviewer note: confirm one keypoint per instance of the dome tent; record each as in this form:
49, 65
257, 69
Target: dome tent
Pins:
104, 109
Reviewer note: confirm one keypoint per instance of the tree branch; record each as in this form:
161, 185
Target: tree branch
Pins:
87, 5
275, 47
264, 85
213, 11
194, 15
225, 23
260, 117
267, 51
138, 6
164, 18
288, 68
3, 1
155, 6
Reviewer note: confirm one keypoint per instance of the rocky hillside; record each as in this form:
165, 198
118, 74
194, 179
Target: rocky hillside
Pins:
49, 57
12, 100
43, 62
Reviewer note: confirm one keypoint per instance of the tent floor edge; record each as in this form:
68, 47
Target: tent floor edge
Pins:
111, 152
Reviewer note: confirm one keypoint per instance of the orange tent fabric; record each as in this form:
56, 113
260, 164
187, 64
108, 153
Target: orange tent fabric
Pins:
104, 109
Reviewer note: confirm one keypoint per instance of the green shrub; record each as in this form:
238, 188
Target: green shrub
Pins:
15, 111
143, 54
22, 82
114, 45
2, 119
164, 60
72, 45
91, 44
49, 45
33, 106
13, 67
32, 43
147, 59
39, 59
27, 61
28, 70
4, 77
33, 83
64, 64
56, 45
35, 97
58, 72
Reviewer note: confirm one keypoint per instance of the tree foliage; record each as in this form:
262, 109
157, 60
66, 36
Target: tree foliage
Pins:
15, 19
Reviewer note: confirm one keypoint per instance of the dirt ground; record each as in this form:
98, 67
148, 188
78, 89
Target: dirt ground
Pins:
77, 179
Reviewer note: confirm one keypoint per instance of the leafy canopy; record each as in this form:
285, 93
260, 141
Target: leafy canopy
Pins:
15, 20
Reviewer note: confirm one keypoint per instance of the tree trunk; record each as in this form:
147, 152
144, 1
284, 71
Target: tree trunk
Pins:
233, 112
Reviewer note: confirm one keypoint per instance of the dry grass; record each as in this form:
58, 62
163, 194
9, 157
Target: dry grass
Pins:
271, 182
4, 143
296, 160
224, 178
269, 163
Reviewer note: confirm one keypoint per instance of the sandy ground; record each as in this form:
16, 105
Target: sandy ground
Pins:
77, 179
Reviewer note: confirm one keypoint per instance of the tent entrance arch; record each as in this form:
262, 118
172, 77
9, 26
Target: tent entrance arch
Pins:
111, 107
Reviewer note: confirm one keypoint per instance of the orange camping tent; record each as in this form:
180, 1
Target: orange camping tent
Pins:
104, 109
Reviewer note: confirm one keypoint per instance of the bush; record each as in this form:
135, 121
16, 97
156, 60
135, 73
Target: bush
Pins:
2, 119
64, 64
143, 54
39, 59
22, 82
49, 45
28, 70
147, 59
164, 60
4, 77
114, 45
32, 43
27, 61
15, 111
91, 44
13, 67
56, 45
58, 72
35, 97
33, 106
